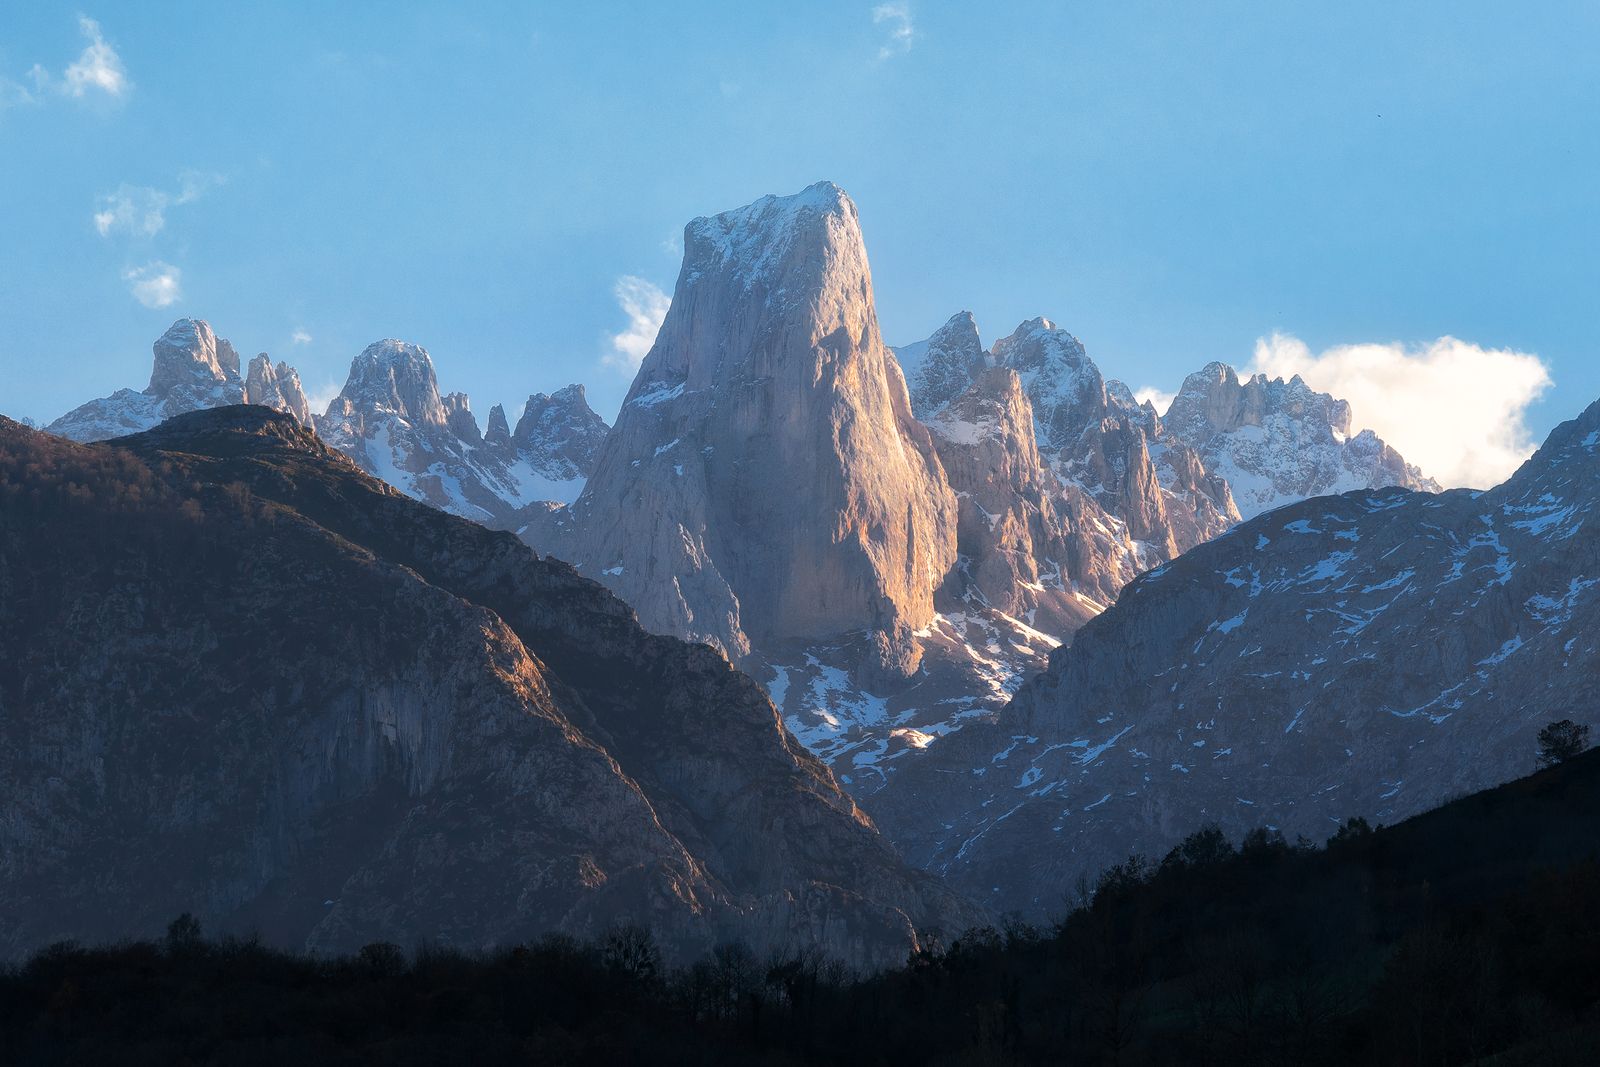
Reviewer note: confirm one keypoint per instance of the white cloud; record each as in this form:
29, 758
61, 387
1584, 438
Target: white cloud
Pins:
645, 305
135, 209
300, 337
896, 17
1455, 409
155, 285
142, 210
1158, 397
319, 397
98, 69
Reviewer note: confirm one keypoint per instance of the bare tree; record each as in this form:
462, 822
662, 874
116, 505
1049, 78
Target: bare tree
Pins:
1560, 741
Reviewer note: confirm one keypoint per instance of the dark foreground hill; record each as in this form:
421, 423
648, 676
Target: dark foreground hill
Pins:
241, 678
1466, 935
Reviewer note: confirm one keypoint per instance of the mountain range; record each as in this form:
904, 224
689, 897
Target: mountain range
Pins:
1027, 622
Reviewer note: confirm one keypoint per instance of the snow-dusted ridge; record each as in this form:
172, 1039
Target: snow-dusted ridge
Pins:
390, 418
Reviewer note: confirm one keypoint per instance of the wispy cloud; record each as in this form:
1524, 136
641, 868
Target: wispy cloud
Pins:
895, 17
1453, 408
156, 284
97, 72
645, 305
142, 211
98, 69
300, 337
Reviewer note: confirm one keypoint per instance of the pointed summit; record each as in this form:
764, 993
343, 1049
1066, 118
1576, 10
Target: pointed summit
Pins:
277, 388
765, 476
941, 368
498, 434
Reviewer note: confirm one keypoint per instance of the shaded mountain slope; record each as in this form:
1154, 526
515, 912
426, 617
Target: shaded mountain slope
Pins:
246, 680
1370, 654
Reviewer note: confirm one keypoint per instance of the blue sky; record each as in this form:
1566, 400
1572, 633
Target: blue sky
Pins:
1172, 182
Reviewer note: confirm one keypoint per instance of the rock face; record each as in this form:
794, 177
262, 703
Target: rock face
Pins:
276, 387
1369, 654
766, 480
245, 680
558, 435
1277, 442
194, 369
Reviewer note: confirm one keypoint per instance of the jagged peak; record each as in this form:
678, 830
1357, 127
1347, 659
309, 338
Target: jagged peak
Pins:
499, 430
1039, 338
567, 407
392, 376
940, 368
190, 353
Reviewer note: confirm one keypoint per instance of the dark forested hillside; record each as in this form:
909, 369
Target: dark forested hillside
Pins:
1466, 935
243, 679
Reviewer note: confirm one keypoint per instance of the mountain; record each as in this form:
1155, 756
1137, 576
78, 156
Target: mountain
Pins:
1277, 442
765, 480
194, 369
391, 419
890, 552
1369, 654
1091, 434
245, 680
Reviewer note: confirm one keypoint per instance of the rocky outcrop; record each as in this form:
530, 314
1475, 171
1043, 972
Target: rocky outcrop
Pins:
944, 366
276, 387
1277, 442
193, 370
559, 435
766, 480
1370, 654
246, 681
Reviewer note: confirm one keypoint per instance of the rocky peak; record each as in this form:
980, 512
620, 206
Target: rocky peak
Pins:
392, 377
561, 425
276, 387
458, 418
190, 354
942, 367
1278, 441
1066, 388
498, 435
1213, 400
766, 471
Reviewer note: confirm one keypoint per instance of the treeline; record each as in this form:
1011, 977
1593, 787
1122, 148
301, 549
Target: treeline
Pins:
1469, 935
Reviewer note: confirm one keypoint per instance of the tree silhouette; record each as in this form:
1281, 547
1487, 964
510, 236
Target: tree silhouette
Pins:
1560, 741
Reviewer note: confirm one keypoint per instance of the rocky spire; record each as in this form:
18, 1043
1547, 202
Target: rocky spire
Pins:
943, 367
765, 473
458, 418
190, 354
277, 388
498, 435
